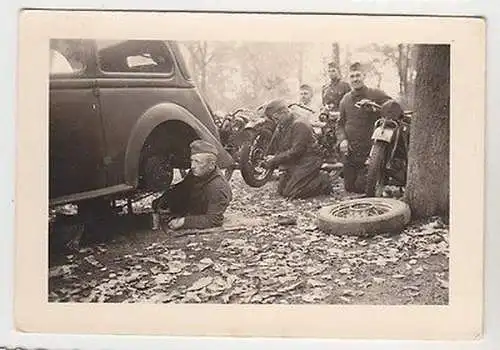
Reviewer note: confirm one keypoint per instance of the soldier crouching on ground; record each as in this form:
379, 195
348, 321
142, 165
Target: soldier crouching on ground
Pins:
200, 200
296, 154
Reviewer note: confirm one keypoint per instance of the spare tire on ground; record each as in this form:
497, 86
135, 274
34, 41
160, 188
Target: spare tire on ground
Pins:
364, 217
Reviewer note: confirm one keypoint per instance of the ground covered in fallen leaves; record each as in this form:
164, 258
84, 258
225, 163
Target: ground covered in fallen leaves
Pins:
262, 261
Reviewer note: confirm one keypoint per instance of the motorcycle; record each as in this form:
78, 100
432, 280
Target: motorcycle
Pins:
256, 138
258, 144
388, 159
230, 128
326, 134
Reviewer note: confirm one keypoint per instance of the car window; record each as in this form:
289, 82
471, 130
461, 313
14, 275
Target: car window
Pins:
134, 56
68, 56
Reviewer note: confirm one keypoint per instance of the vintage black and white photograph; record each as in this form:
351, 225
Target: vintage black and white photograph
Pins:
235, 165
248, 172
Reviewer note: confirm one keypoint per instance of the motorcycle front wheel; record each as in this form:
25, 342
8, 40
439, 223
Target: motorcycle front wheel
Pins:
253, 151
375, 179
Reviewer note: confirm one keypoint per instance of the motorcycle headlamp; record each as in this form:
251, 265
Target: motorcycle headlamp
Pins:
392, 110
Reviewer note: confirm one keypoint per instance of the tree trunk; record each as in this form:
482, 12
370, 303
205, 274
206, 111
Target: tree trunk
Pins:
407, 69
300, 70
401, 69
336, 55
427, 190
203, 68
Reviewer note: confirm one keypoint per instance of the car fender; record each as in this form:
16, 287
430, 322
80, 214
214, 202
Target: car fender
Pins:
155, 116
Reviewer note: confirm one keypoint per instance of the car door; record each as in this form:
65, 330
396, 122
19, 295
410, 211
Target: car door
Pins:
76, 141
133, 76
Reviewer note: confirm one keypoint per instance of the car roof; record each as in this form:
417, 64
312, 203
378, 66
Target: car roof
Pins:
104, 44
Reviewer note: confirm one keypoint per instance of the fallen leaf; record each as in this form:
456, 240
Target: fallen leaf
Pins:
418, 271
348, 293
163, 278
345, 271
308, 298
134, 276
413, 288
340, 282
316, 294
176, 266
314, 270
191, 297
201, 283
442, 283
315, 283
141, 285
286, 279
59, 271
290, 287
92, 261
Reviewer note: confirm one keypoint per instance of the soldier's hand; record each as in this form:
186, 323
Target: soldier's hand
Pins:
344, 146
267, 162
176, 223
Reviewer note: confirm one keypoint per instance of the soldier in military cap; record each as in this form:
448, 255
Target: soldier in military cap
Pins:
306, 93
202, 197
296, 154
333, 91
355, 128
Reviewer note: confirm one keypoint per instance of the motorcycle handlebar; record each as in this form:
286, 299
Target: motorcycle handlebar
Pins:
301, 106
368, 103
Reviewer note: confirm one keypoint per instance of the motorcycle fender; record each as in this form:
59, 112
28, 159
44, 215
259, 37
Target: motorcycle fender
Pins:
382, 134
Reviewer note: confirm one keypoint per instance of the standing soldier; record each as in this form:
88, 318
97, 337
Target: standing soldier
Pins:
331, 95
306, 96
334, 90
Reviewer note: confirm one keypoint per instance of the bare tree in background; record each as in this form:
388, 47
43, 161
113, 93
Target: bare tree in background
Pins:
203, 55
336, 55
401, 56
428, 170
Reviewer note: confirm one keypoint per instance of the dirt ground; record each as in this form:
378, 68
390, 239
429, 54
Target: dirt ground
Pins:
260, 261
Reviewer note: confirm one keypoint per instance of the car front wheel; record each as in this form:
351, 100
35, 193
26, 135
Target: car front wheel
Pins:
158, 173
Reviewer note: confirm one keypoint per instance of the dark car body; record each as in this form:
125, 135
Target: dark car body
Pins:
111, 104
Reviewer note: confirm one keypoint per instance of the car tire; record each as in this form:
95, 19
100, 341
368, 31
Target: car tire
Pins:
157, 174
389, 216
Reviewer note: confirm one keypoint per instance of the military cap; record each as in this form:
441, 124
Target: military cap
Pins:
201, 146
275, 106
355, 66
306, 87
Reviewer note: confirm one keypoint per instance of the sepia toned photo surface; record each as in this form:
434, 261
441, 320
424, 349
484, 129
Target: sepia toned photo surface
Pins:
230, 174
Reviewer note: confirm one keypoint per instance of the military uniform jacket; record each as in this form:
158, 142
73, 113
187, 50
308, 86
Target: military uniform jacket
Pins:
356, 125
202, 201
298, 154
333, 92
